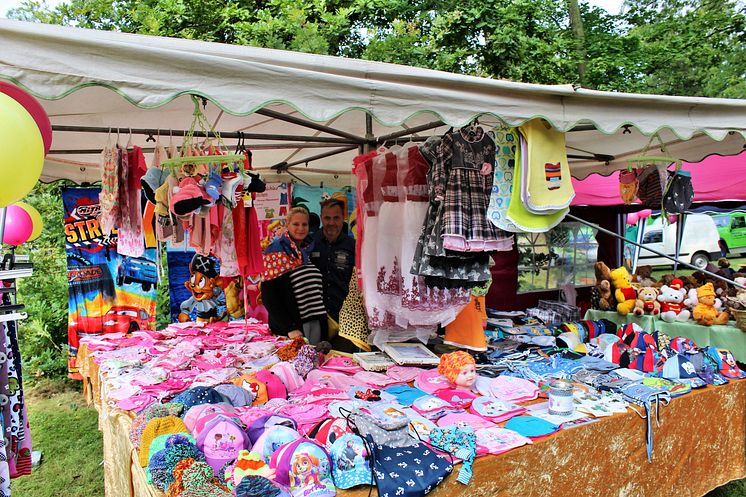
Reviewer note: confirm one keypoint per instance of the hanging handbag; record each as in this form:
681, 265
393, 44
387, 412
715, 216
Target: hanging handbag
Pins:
650, 189
679, 193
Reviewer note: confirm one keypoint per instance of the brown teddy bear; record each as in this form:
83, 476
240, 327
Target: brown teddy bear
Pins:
601, 294
647, 301
643, 276
665, 280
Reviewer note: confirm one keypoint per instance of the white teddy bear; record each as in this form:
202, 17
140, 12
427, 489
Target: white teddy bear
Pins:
672, 302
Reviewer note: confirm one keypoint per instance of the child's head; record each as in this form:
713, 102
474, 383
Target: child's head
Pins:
459, 368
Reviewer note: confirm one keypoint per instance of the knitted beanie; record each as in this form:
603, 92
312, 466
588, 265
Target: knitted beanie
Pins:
258, 486
179, 452
177, 486
156, 470
451, 364
250, 464
289, 351
155, 427
151, 412
165, 441
199, 481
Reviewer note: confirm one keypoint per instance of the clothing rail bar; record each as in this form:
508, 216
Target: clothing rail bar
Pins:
202, 134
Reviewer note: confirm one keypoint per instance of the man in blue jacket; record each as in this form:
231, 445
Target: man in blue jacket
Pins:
334, 254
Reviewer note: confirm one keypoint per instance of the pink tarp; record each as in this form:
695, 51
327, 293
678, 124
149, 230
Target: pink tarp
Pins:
715, 179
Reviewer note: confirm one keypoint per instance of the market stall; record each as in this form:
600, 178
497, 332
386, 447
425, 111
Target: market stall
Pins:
162, 108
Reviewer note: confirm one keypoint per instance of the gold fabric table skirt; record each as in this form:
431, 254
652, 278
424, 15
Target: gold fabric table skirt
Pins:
699, 445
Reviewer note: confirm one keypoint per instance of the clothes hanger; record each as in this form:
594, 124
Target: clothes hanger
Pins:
646, 159
200, 121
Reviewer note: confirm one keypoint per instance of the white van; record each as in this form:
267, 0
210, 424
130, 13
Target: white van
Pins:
699, 243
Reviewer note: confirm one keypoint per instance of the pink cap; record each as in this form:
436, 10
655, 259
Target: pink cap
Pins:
275, 388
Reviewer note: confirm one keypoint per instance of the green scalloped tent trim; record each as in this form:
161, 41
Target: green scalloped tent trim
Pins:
455, 124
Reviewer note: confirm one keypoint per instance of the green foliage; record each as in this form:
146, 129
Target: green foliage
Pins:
43, 336
162, 298
683, 47
690, 47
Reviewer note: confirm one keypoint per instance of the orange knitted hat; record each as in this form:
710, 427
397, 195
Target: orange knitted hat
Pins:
451, 364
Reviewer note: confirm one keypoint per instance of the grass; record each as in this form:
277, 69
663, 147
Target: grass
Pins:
66, 430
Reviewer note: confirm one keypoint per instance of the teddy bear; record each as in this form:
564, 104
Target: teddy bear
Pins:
643, 276
601, 295
647, 301
665, 279
672, 302
707, 308
624, 293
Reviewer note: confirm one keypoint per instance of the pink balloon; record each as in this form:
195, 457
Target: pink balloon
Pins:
18, 225
34, 108
632, 218
644, 214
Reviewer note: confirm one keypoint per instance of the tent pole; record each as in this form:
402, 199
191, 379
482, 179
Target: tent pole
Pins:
283, 166
309, 124
369, 136
202, 134
299, 179
410, 131
616, 235
257, 146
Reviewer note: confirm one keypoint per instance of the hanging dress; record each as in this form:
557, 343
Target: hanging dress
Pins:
463, 180
441, 269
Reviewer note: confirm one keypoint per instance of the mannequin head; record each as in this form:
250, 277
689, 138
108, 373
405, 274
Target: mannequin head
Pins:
459, 368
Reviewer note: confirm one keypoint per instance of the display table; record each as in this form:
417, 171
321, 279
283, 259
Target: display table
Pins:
700, 445
726, 337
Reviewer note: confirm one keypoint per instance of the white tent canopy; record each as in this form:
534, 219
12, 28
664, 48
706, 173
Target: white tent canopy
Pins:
90, 79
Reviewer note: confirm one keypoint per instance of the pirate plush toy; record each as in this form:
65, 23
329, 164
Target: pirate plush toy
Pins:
205, 286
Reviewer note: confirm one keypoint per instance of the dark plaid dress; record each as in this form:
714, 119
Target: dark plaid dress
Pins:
465, 191
441, 268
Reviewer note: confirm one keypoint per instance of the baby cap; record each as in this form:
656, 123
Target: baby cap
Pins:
237, 396
221, 440
275, 387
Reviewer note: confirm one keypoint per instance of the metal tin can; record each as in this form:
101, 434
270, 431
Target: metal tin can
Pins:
560, 398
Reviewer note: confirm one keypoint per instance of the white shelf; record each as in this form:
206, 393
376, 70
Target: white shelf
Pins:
16, 273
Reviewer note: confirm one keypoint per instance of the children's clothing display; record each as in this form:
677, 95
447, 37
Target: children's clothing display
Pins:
392, 206
506, 141
518, 212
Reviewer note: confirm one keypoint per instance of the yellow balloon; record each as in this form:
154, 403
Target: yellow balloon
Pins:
35, 218
21, 151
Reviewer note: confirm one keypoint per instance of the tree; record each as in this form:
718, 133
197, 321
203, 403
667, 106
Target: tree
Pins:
690, 47
43, 337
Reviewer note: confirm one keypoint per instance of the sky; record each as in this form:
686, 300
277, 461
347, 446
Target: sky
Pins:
612, 6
